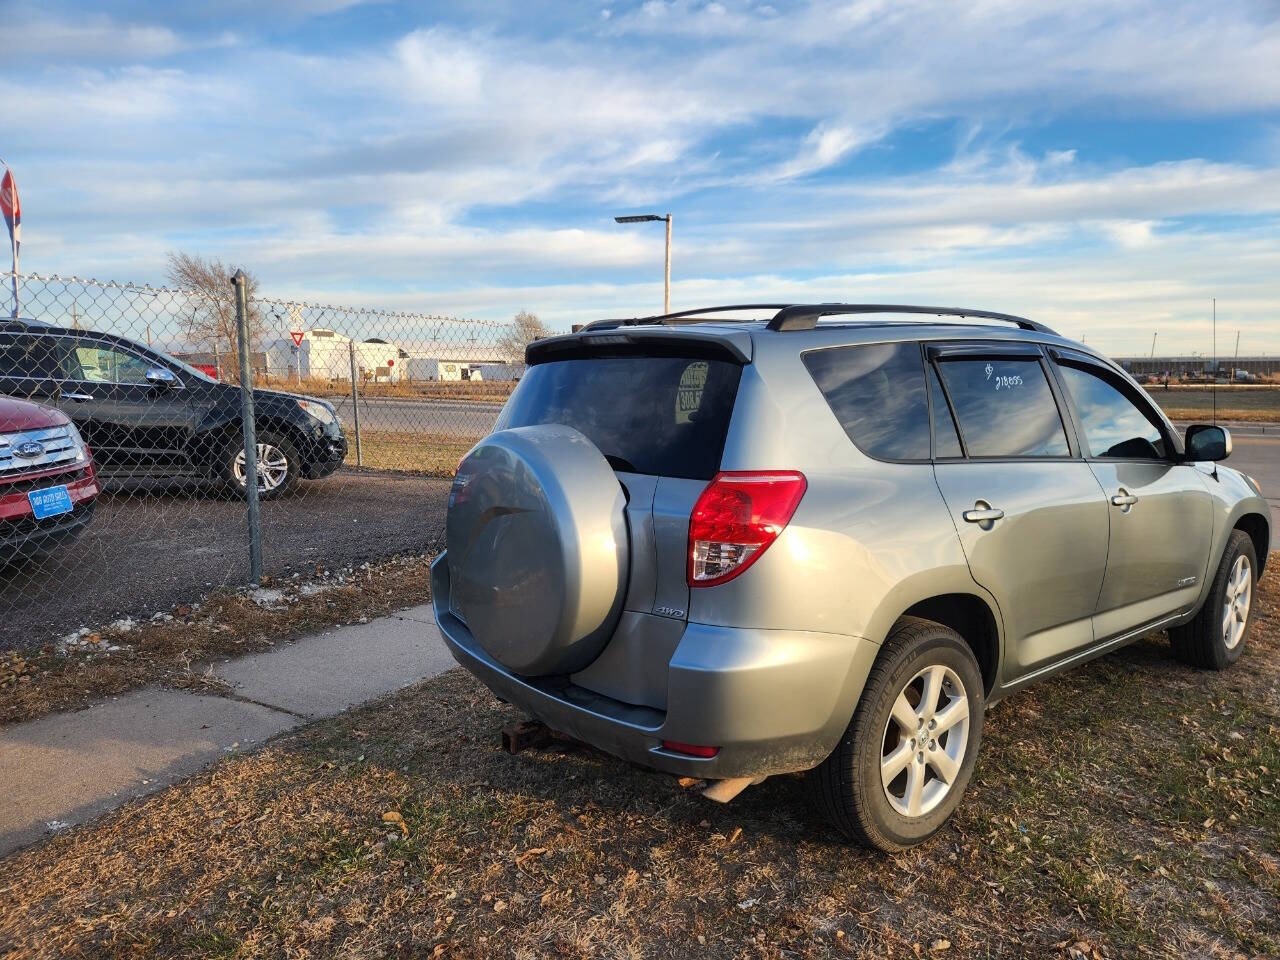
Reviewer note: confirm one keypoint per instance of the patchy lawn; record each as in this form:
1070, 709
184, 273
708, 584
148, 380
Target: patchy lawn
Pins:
175, 648
432, 453
1129, 808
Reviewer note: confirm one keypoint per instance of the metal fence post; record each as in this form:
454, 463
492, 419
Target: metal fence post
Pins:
355, 400
240, 283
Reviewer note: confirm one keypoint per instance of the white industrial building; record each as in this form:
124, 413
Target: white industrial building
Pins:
326, 354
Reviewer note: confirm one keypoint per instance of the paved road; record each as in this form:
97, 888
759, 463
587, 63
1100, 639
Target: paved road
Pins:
1259, 456
449, 417
147, 552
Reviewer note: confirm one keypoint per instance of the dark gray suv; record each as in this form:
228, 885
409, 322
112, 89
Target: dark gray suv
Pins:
729, 547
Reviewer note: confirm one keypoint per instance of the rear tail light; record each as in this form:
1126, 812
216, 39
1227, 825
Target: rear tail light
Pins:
736, 518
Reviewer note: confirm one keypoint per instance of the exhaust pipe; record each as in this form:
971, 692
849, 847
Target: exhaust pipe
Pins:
722, 791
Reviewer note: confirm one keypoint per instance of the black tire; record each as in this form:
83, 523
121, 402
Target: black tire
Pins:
847, 785
275, 442
1203, 642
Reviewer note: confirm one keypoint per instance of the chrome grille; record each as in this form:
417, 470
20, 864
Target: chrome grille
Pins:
57, 445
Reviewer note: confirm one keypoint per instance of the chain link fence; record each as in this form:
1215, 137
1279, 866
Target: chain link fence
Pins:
139, 503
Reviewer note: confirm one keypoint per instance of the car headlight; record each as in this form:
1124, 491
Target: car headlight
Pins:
82, 448
321, 412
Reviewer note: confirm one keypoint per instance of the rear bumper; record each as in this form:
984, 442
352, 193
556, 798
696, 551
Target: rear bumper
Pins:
773, 701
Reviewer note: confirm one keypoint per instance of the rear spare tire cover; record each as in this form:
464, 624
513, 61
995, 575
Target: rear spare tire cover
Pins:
538, 548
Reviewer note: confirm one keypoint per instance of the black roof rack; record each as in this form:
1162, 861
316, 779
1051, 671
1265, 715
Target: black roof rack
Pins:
681, 316
804, 316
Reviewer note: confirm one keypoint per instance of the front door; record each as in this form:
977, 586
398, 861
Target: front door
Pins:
1160, 510
134, 426
1030, 513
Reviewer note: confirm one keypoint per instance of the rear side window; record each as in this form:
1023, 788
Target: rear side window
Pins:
664, 416
29, 356
877, 392
1005, 407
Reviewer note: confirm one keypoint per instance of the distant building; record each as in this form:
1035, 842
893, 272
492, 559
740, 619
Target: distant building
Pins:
1201, 366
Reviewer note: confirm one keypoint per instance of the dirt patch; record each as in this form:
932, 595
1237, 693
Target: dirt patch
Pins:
175, 648
1129, 808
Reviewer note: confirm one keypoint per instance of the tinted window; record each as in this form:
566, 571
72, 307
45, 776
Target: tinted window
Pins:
877, 393
665, 416
29, 355
946, 441
1113, 424
1005, 408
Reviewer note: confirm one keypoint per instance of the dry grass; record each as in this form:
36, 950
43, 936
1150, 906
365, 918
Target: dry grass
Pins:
482, 391
227, 623
1255, 403
431, 453
1129, 808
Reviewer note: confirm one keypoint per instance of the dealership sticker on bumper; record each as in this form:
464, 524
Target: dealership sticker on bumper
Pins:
50, 502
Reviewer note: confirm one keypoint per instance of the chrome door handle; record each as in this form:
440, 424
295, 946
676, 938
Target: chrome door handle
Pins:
1124, 499
76, 396
983, 515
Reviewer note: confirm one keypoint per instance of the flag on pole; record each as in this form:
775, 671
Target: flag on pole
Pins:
12, 211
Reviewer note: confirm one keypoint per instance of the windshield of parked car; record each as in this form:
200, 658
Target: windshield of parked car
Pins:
663, 416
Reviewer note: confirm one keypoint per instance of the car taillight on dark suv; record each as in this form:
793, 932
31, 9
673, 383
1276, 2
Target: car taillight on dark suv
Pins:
736, 518
48, 486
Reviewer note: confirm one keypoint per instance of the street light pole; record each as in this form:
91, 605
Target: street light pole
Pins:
666, 276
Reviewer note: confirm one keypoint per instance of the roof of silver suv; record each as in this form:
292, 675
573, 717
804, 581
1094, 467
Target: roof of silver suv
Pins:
732, 329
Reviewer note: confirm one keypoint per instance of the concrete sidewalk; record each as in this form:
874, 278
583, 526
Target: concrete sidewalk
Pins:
66, 768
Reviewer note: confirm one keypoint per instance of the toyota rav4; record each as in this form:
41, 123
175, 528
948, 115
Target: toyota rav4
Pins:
825, 540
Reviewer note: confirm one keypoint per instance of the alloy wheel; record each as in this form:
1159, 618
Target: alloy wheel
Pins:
1237, 600
273, 467
925, 740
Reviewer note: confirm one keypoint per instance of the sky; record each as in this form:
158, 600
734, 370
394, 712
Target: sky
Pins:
1107, 167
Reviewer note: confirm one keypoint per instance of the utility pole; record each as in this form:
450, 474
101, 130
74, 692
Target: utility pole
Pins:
75, 316
1154, 334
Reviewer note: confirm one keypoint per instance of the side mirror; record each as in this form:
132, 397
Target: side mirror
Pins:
161, 376
1207, 442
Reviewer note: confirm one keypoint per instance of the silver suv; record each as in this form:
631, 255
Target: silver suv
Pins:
731, 548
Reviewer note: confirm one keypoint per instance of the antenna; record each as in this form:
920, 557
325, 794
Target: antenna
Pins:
1215, 361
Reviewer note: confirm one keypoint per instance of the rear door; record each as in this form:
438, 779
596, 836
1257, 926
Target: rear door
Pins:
1029, 511
1160, 510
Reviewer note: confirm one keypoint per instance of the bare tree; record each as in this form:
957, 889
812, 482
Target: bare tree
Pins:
524, 329
210, 320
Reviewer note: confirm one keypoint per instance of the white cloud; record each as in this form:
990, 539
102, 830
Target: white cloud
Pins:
471, 161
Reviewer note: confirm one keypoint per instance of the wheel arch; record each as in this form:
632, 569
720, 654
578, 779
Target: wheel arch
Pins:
973, 618
1259, 531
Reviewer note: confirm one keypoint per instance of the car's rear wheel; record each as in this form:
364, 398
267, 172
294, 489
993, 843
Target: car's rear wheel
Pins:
904, 762
1215, 638
277, 461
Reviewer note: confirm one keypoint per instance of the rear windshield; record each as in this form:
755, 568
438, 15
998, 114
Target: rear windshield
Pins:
665, 416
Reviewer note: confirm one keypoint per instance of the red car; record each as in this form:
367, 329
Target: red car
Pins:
47, 482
